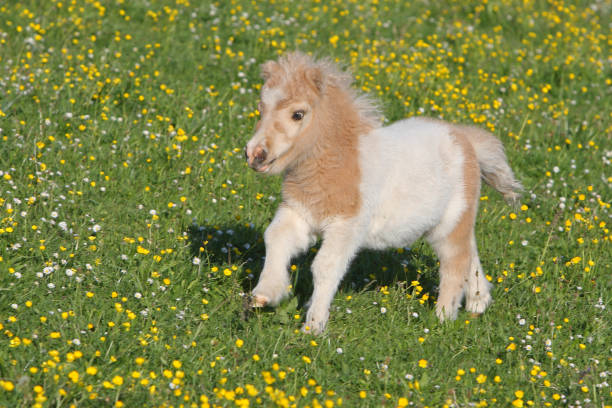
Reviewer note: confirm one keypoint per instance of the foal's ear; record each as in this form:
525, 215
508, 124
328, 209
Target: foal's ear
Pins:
268, 69
314, 77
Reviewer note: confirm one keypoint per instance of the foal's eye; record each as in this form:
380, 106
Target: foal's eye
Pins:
298, 115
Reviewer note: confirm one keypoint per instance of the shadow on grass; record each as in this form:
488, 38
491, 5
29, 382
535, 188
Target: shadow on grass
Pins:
241, 245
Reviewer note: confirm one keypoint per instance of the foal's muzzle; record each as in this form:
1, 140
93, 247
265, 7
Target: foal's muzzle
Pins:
257, 158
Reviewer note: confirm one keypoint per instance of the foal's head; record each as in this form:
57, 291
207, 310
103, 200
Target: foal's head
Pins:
302, 100
288, 107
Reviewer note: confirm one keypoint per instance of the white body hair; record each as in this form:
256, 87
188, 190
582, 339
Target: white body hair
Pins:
407, 193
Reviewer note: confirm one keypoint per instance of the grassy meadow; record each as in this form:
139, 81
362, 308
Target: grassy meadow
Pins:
131, 228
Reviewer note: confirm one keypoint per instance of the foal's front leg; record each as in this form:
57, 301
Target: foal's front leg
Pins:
287, 235
340, 243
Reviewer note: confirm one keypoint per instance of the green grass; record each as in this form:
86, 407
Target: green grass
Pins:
131, 228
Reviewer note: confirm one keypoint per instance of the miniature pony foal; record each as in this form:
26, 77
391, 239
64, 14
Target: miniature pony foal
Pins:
359, 185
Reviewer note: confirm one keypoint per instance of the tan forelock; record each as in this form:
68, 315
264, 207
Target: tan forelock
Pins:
301, 76
298, 89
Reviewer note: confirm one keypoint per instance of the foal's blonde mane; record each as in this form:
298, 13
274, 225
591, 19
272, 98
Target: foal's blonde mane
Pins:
328, 74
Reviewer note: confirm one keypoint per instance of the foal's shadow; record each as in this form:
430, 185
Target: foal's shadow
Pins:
243, 246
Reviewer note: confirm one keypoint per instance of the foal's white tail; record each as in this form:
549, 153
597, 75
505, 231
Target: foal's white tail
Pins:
494, 167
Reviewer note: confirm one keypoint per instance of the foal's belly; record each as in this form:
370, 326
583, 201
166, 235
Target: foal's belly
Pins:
401, 227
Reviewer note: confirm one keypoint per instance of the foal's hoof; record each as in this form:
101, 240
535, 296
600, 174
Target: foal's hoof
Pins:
313, 329
258, 301
475, 315
306, 329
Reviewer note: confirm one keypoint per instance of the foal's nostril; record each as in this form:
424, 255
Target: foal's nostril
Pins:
246, 154
259, 155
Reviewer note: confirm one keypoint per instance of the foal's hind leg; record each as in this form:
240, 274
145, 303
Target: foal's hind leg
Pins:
477, 290
461, 272
455, 260
460, 268
457, 253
